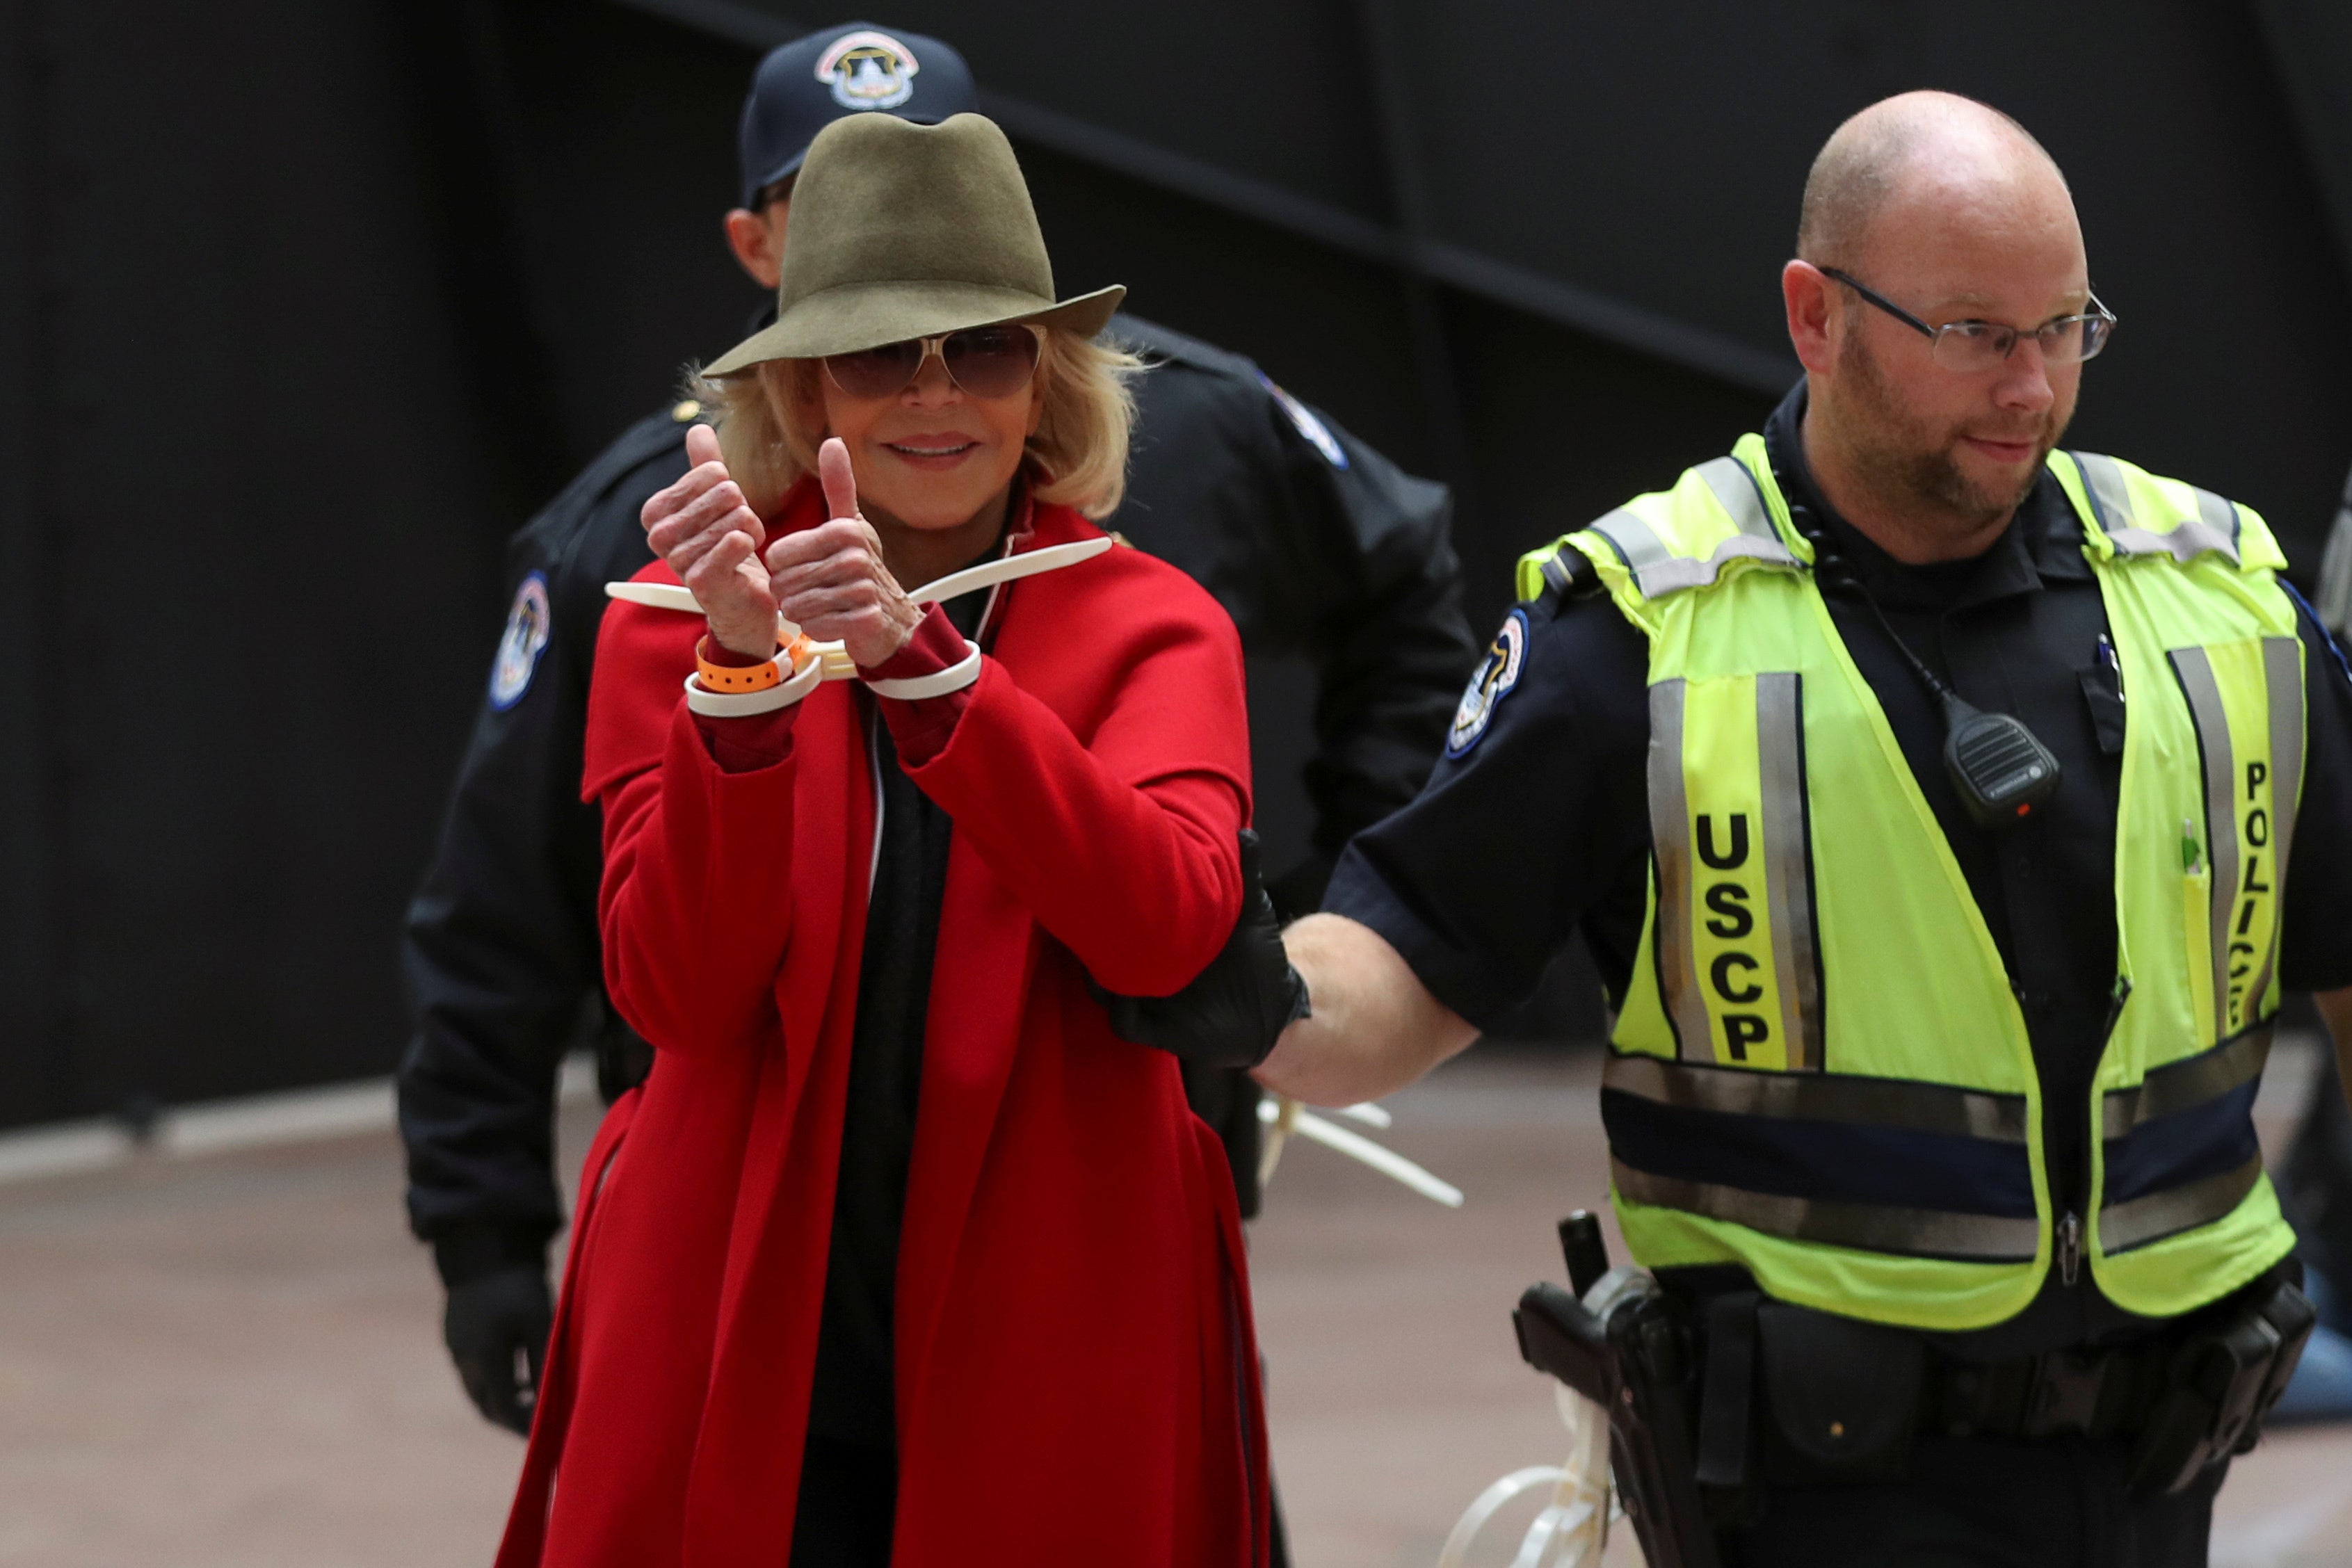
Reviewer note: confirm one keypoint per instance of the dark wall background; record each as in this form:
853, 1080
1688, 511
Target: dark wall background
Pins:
303, 309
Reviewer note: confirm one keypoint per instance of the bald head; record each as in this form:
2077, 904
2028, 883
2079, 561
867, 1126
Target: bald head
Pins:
1940, 215
1932, 149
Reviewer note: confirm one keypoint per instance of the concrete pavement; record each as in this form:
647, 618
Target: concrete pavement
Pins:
231, 1360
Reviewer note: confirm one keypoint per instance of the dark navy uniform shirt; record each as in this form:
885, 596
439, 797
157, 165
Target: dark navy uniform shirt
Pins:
1542, 826
1316, 544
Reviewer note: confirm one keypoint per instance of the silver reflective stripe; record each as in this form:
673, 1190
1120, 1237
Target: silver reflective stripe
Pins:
2220, 519
1670, 845
1871, 1228
2184, 544
1735, 493
2215, 527
2109, 497
1820, 1097
2178, 1085
2195, 671
1637, 543
2142, 1220
1787, 885
2283, 680
1676, 575
1657, 570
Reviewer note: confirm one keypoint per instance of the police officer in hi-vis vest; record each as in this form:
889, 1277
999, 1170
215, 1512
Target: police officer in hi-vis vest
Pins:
1946, 810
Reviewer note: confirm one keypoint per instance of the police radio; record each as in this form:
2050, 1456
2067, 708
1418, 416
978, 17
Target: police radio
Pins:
1999, 768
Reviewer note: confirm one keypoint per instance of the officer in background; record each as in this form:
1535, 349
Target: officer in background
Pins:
1860, 756
1316, 544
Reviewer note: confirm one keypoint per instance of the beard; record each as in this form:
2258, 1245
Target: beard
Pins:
1903, 458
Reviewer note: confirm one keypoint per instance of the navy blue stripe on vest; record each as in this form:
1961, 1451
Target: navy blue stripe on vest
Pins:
2204, 1140
1836, 1161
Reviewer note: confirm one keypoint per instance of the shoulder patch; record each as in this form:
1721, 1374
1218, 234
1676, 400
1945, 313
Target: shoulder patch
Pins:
529, 621
1317, 433
1497, 675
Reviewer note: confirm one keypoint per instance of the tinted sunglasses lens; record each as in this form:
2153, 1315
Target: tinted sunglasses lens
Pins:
875, 372
990, 361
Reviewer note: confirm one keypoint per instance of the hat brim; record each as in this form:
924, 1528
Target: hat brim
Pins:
857, 316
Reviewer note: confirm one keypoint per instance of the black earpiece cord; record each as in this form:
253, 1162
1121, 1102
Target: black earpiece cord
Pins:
2000, 767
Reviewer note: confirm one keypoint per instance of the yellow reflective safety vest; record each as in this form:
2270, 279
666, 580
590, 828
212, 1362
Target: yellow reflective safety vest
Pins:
1820, 1071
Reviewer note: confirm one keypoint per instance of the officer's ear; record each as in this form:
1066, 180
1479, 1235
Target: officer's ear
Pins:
1805, 295
757, 243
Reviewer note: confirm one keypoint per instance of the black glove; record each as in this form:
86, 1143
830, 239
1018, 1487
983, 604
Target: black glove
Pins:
497, 1326
1233, 1010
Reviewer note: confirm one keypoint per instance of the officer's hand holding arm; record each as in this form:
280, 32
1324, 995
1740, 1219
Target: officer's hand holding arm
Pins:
710, 537
1375, 1027
1230, 1014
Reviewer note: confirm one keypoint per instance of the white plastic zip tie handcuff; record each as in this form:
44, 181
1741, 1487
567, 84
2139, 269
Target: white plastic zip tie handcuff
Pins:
833, 660
938, 684
1572, 1530
796, 684
1283, 1116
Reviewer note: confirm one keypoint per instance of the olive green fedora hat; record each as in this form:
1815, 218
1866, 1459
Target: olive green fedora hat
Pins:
901, 231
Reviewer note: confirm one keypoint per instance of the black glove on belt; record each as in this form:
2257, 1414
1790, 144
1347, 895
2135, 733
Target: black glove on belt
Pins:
1233, 1010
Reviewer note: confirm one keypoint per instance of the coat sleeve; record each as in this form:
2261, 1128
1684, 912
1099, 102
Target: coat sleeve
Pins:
1321, 548
695, 907
1393, 649
499, 947
1124, 847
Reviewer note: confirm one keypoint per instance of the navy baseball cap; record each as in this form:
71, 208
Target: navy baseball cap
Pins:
805, 86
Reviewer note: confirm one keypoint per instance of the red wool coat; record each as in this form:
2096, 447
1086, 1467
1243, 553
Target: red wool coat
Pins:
1075, 1369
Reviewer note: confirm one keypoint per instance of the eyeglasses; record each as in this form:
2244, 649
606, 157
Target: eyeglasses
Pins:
982, 361
1981, 345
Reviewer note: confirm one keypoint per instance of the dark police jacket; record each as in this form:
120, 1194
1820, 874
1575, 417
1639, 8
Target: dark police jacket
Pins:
1315, 544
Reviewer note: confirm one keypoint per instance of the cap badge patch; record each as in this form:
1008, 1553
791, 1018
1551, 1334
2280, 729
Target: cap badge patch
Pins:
1498, 673
1317, 433
868, 70
520, 646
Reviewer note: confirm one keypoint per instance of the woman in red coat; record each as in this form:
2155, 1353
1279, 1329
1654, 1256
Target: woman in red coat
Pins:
901, 1255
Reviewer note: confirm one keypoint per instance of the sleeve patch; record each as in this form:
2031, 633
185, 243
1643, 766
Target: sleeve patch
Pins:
1319, 434
1497, 676
520, 646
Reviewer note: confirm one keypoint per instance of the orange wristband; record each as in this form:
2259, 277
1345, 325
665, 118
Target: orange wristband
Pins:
739, 678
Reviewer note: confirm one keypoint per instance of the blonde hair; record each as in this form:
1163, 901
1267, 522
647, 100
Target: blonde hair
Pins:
1079, 453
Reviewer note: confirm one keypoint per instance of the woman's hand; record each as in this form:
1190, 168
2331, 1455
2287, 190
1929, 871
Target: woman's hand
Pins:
711, 539
831, 579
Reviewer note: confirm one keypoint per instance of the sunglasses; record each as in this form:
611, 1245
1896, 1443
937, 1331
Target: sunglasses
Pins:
982, 361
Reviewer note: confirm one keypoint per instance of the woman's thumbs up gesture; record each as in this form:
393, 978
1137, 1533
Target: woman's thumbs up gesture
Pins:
830, 579
710, 537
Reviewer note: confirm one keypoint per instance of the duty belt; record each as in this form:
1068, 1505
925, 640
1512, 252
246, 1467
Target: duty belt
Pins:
2074, 1392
